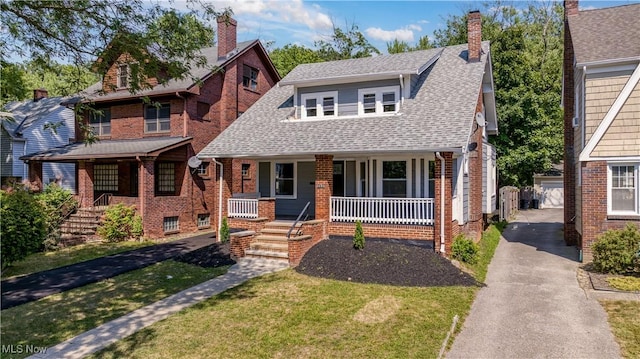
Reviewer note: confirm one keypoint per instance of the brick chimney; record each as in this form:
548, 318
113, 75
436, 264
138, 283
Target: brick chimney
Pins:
226, 35
570, 7
474, 36
39, 94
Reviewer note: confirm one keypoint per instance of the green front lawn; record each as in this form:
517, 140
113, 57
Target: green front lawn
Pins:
624, 319
289, 315
58, 317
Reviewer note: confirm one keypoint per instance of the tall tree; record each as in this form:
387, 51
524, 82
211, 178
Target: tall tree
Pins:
396, 46
526, 49
288, 57
349, 43
11, 82
77, 31
57, 79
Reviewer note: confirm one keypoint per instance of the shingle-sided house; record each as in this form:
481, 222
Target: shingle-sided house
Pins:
25, 130
396, 141
142, 156
601, 121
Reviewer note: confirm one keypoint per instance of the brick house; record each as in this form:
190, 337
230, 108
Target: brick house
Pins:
601, 122
396, 141
142, 154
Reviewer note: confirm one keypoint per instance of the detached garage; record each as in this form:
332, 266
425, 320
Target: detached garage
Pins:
549, 188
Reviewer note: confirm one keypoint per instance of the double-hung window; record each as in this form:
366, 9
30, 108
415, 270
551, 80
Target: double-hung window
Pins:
623, 193
285, 179
379, 100
165, 178
105, 177
123, 76
100, 122
250, 78
157, 118
394, 179
320, 104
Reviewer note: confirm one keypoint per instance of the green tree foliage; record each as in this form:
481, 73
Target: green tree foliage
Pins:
120, 223
396, 46
22, 225
76, 31
224, 230
288, 57
526, 49
344, 44
12, 83
56, 202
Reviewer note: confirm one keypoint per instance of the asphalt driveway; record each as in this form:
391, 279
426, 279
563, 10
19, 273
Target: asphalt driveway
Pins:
532, 305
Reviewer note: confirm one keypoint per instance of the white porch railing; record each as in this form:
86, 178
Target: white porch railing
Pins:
383, 210
243, 207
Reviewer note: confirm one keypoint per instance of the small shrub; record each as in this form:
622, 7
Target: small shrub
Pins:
358, 236
120, 223
224, 230
22, 223
618, 250
464, 249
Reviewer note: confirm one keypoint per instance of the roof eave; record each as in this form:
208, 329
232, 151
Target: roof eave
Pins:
249, 155
608, 62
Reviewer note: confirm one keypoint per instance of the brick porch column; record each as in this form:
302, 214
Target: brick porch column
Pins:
146, 184
35, 175
227, 184
448, 213
85, 183
324, 185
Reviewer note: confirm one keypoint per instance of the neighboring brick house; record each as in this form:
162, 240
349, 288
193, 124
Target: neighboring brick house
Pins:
601, 122
36, 125
142, 154
396, 141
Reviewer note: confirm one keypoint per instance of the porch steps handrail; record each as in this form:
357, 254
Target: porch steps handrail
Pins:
103, 201
304, 210
243, 207
408, 211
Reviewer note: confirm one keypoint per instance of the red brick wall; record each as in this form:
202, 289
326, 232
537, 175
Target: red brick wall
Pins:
239, 243
448, 213
298, 248
226, 34
595, 220
35, 175
85, 183
474, 35
384, 231
324, 185
474, 226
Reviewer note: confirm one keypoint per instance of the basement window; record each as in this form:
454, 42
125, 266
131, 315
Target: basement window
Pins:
171, 224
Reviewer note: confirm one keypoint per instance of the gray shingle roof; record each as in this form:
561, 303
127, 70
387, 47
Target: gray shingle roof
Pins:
174, 85
405, 63
109, 149
606, 34
437, 117
26, 113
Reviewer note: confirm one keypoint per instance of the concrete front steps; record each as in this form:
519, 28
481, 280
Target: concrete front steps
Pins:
272, 242
81, 226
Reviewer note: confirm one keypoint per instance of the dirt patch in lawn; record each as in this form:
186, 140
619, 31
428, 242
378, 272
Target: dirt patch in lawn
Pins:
383, 262
213, 255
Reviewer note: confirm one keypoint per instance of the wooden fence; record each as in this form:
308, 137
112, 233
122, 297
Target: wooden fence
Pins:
509, 202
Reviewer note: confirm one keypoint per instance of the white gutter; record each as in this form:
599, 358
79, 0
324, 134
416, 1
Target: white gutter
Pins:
442, 175
608, 61
218, 239
401, 89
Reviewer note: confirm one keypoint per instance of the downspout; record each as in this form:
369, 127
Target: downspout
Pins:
184, 114
401, 90
218, 239
442, 175
583, 101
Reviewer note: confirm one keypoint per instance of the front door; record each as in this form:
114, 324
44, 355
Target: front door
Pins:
338, 179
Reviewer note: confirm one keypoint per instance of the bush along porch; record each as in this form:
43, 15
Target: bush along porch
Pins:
398, 142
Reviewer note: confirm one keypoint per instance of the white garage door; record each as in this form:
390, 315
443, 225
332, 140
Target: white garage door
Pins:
552, 194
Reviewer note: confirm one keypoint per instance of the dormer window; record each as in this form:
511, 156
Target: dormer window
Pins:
319, 104
378, 100
123, 76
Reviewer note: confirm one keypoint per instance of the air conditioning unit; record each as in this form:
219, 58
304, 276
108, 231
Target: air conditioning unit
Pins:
576, 122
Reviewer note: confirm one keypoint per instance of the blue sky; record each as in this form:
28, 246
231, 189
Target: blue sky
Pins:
302, 22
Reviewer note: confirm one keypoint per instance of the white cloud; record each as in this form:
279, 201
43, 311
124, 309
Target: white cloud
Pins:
377, 33
424, 22
293, 12
414, 27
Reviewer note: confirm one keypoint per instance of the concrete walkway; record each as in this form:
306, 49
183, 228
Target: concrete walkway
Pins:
533, 306
108, 333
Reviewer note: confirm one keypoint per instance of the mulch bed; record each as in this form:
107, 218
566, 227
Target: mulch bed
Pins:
382, 262
213, 255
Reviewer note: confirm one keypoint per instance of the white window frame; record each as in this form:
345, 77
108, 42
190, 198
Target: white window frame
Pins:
636, 173
274, 178
319, 97
204, 220
380, 175
100, 121
120, 84
171, 224
378, 91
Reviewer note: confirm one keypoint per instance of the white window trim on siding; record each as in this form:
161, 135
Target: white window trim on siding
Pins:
295, 180
636, 171
378, 91
318, 96
379, 174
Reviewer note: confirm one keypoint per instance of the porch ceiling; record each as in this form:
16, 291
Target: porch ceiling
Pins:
145, 147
